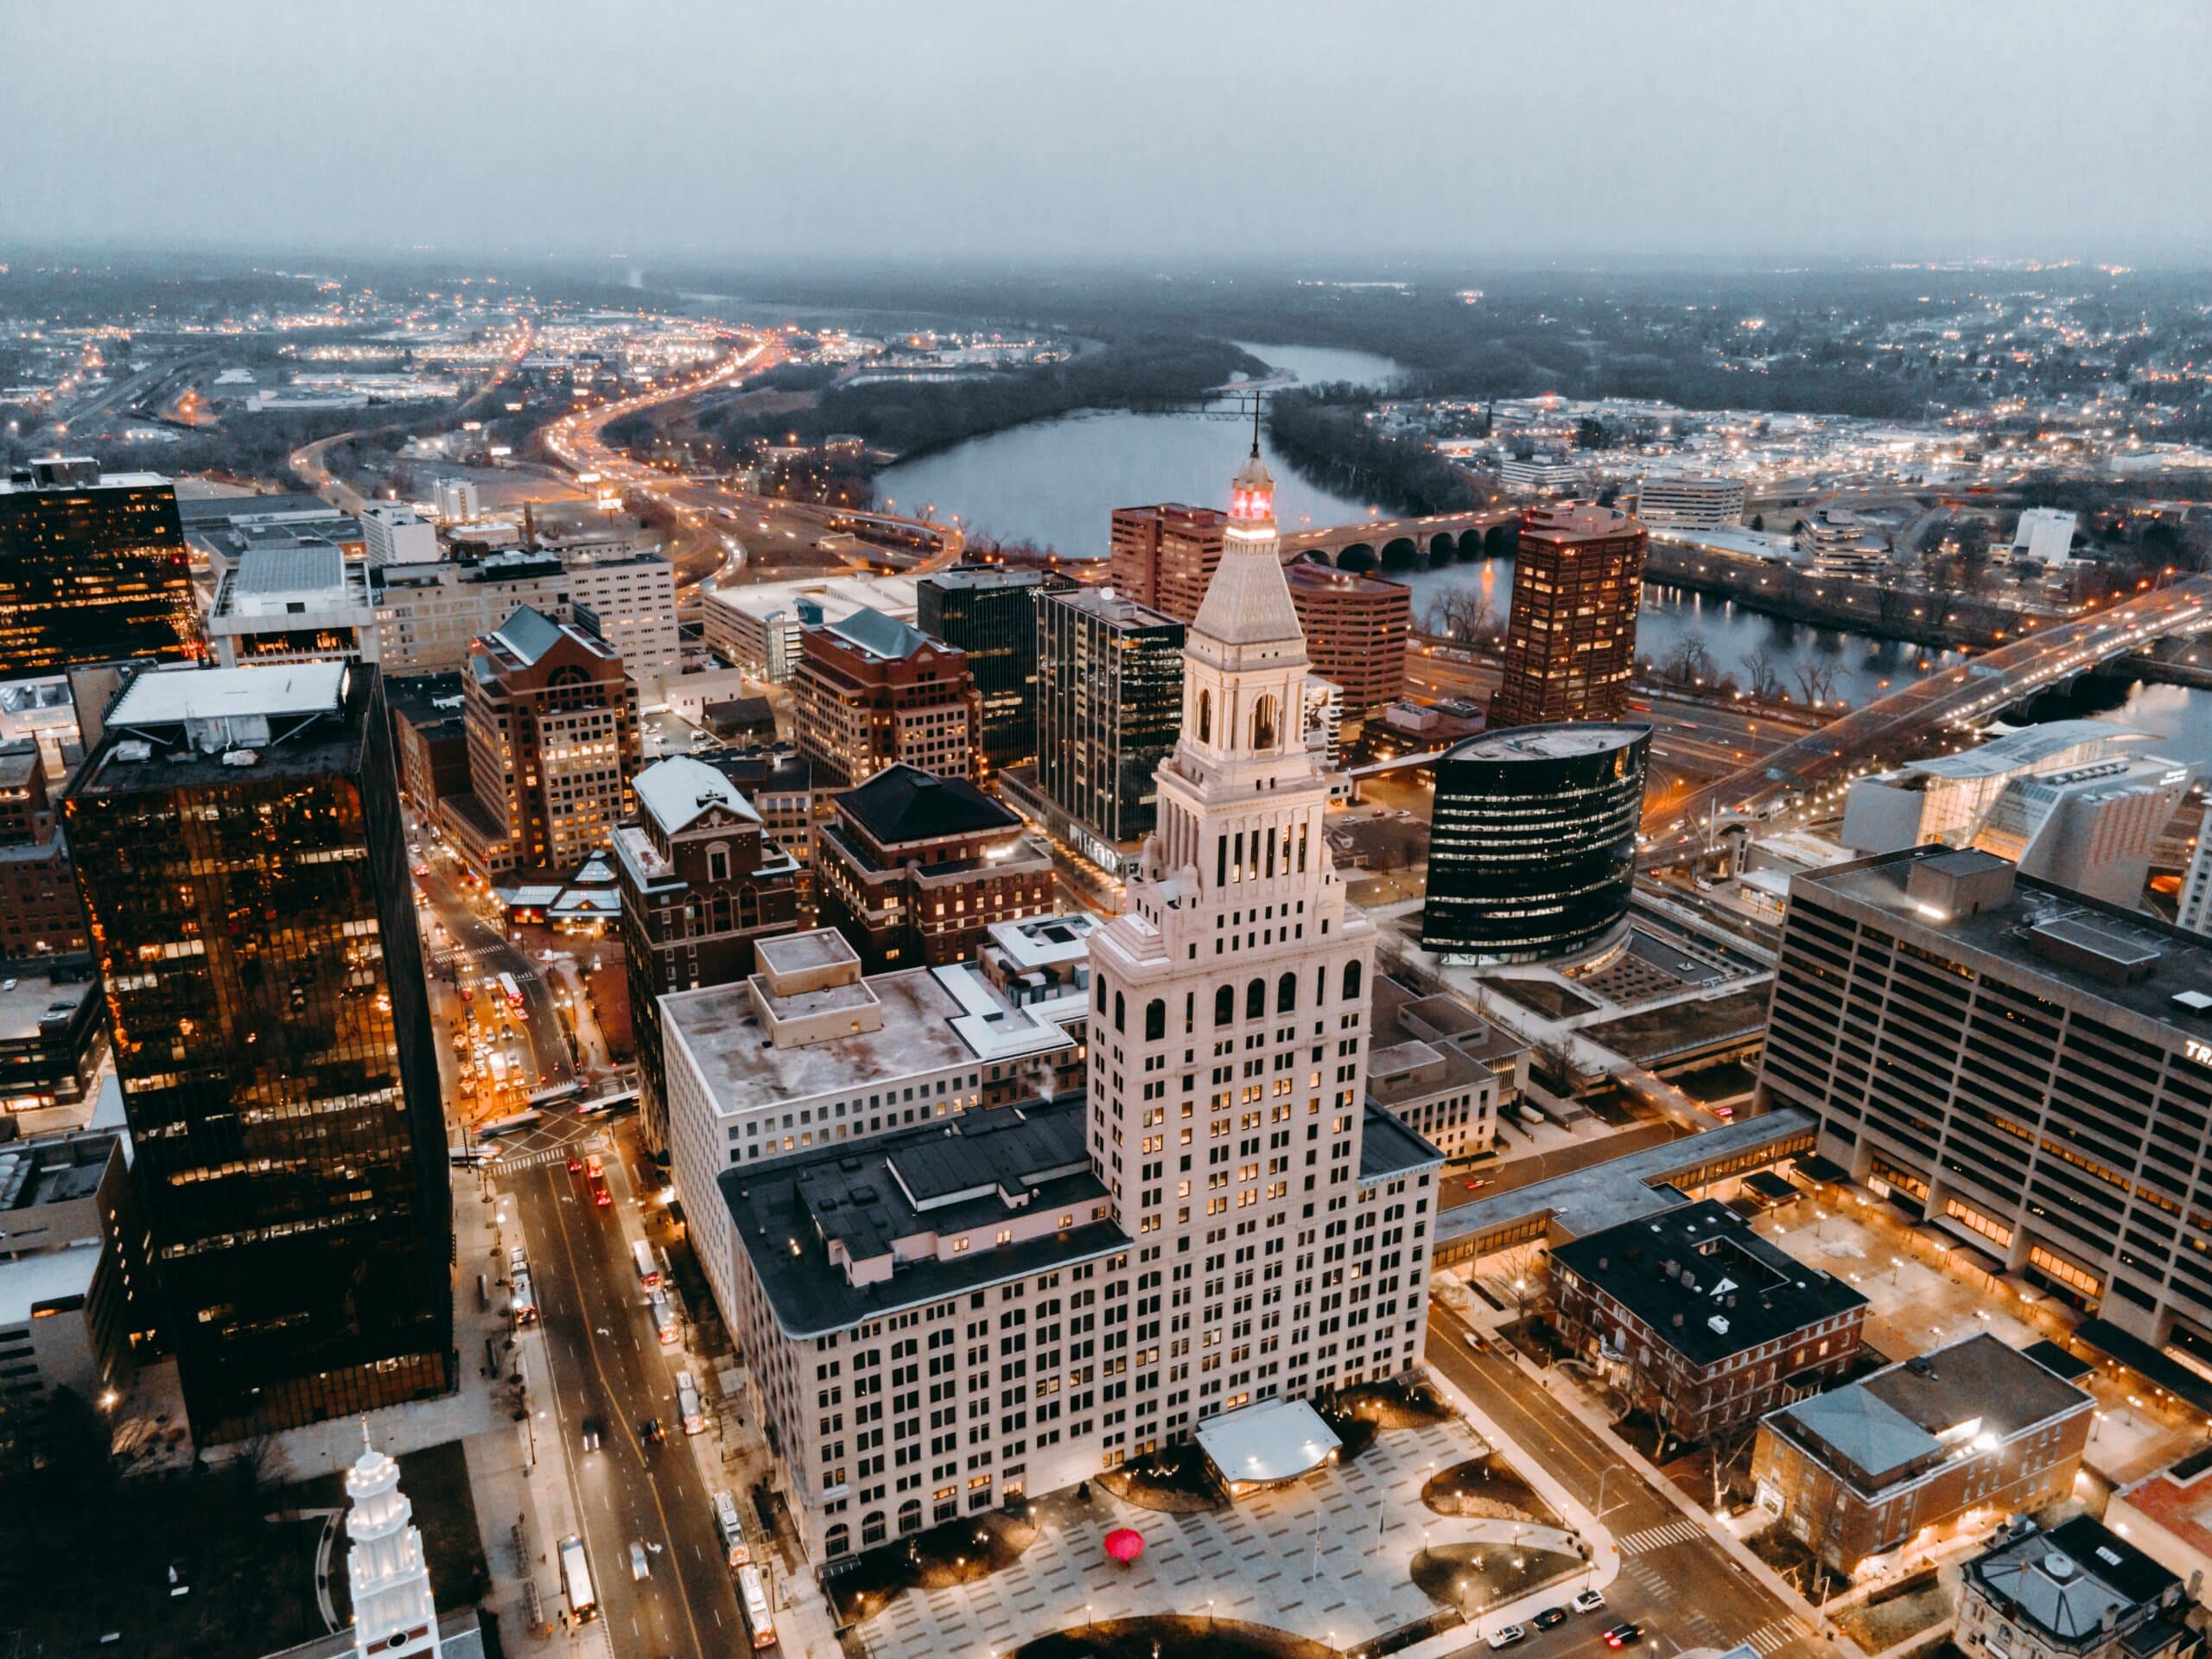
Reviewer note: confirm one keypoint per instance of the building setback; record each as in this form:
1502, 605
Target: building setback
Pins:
244, 869
700, 882
2028, 1069
93, 568
1570, 643
915, 867
870, 692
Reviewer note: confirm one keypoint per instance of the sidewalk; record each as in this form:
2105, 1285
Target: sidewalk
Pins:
1570, 1396
511, 1494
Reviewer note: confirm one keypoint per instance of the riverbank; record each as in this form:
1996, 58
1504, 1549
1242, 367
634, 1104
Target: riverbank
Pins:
1881, 610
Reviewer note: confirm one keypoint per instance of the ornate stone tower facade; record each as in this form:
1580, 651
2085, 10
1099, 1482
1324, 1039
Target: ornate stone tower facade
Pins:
394, 1617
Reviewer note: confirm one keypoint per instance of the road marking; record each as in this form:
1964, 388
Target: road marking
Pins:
1675, 1532
1776, 1635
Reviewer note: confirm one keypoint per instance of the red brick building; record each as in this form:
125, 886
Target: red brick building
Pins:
1570, 646
1356, 629
41, 914
871, 692
1163, 556
553, 745
915, 867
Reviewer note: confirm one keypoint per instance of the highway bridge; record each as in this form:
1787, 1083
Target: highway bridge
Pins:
1810, 770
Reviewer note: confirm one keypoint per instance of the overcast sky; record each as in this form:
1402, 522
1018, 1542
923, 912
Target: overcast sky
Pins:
1338, 133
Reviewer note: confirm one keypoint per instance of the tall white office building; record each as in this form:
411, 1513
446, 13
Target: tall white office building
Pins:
393, 534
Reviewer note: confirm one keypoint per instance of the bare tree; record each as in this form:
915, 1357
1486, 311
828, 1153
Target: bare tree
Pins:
1817, 680
1765, 679
1690, 661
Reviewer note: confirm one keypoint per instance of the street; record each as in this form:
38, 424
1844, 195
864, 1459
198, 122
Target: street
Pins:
608, 1365
1676, 1580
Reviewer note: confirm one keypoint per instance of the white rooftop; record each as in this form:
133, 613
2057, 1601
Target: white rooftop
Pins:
161, 697
1271, 1440
27, 1281
678, 790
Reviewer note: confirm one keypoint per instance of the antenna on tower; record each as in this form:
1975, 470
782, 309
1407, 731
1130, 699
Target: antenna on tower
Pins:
1256, 396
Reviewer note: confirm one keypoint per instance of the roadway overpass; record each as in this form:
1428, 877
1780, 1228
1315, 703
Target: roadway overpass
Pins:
1813, 767
1408, 543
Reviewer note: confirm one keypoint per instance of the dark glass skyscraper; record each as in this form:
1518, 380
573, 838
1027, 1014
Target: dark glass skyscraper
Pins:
93, 567
238, 841
1110, 704
1532, 842
992, 615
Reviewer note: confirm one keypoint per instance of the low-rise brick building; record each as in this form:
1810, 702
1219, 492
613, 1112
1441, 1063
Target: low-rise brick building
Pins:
2079, 1591
915, 867
1699, 1321
1856, 1473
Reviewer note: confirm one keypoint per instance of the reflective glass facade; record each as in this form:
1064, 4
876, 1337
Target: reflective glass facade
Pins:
256, 931
1110, 704
92, 569
1532, 842
992, 615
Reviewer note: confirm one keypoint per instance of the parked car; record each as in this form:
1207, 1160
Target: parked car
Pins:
1508, 1635
1588, 1602
1549, 1618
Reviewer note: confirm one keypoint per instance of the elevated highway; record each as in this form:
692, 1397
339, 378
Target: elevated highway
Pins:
1805, 770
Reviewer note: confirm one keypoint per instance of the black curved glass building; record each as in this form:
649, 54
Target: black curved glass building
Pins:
1532, 843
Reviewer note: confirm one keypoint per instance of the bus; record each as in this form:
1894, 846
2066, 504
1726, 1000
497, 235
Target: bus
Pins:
556, 1094
576, 1579
687, 1404
514, 1125
512, 992
522, 1287
498, 1070
608, 1105
754, 1600
664, 1324
732, 1530
648, 1264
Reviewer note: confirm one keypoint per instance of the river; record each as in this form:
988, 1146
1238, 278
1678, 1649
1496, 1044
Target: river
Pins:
1056, 482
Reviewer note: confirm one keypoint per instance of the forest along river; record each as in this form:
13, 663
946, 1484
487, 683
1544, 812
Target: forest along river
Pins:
1055, 482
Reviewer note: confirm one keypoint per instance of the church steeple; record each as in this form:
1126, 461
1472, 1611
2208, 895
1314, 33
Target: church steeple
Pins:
394, 1617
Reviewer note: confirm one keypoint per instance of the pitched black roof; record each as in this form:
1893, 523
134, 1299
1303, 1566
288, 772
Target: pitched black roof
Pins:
904, 803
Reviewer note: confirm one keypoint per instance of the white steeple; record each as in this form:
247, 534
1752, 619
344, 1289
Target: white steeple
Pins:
394, 1617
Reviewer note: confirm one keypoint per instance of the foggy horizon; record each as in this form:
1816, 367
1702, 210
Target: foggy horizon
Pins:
1320, 139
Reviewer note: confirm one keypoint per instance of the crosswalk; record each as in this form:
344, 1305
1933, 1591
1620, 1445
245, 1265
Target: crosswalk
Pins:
1675, 1532
1776, 1635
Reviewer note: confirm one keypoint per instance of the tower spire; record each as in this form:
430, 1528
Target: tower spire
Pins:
1256, 396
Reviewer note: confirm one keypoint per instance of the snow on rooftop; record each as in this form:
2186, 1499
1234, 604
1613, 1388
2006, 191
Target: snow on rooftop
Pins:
161, 696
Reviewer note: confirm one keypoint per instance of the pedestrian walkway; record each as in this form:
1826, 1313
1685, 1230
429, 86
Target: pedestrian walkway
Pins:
1675, 1532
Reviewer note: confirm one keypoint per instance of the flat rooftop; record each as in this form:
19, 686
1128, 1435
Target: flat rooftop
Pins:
1388, 1149
27, 999
166, 696
1583, 1201
743, 1073
785, 1212
2002, 939
1706, 1284
29, 1282
1563, 741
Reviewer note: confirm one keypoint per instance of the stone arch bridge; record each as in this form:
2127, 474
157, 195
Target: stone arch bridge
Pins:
1394, 544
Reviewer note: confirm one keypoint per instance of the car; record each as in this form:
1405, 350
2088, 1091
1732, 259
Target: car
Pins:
1588, 1602
575, 1164
1508, 1635
1624, 1635
1475, 1183
639, 1568
591, 1433
1550, 1618
652, 1432
1475, 1342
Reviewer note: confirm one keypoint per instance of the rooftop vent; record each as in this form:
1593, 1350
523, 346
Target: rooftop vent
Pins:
2195, 1001
134, 750
2060, 1567
1719, 1324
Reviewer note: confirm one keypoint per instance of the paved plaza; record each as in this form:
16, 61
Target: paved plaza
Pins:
1308, 1558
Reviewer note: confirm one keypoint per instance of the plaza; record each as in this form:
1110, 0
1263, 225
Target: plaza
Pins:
1329, 1558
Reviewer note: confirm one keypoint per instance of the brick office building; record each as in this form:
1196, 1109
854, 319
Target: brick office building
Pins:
1570, 645
871, 691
